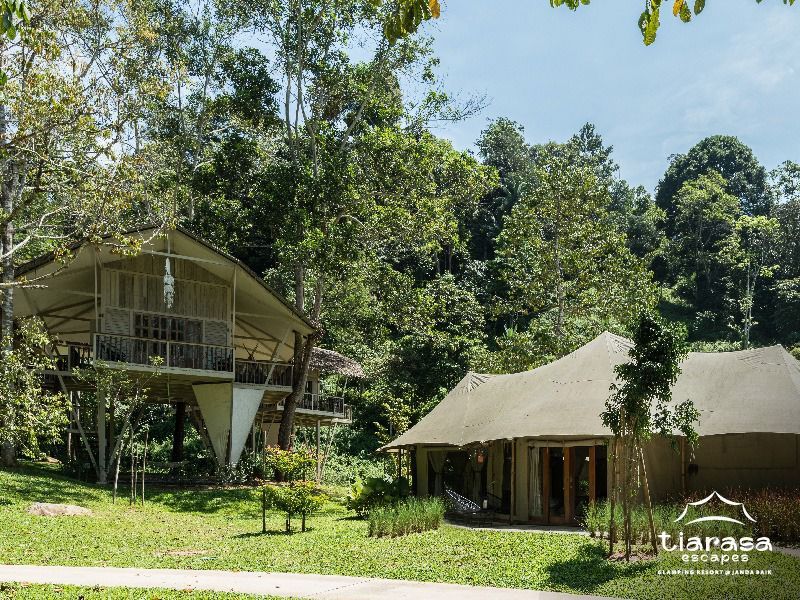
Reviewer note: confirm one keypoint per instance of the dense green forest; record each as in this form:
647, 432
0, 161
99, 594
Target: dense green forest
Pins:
300, 141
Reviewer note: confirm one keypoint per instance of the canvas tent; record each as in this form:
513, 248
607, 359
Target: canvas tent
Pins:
523, 424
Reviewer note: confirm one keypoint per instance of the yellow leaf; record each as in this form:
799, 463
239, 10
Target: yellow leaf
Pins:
436, 10
676, 8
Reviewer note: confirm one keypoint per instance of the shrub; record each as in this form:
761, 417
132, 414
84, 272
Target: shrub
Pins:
295, 498
777, 515
410, 516
291, 464
376, 491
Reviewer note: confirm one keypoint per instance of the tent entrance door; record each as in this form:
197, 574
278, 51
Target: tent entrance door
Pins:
563, 481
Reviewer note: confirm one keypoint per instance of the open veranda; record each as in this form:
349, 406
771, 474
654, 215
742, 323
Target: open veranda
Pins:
221, 529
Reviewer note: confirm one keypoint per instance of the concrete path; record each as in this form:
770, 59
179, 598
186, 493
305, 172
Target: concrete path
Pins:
293, 585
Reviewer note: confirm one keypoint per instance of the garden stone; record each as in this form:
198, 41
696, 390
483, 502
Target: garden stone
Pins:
44, 509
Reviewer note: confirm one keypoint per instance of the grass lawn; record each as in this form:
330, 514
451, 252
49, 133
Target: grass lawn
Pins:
222, 530
68, 592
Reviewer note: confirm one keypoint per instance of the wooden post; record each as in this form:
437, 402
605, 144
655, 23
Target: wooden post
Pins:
647, 501
683, 467
178, 435
263, 510
144, 460
566, 454
133, 470
319, 458
546, 483
592, 474
101, 437
612, 528
513, 507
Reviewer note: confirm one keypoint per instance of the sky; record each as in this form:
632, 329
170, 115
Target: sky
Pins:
732, 70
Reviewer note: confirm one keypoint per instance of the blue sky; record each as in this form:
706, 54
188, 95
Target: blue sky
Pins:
732, 70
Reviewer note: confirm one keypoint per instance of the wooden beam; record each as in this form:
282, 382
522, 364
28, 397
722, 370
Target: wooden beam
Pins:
256, 328
546, 484
189, 258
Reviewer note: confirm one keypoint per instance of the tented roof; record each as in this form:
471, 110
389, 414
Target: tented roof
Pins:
64, 292
736, 392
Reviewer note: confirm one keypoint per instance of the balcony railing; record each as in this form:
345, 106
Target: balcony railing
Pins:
323, 403
182, 355
71, 355
264, 373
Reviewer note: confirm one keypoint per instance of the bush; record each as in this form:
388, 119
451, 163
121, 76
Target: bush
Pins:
376, 491
291, 464
344, 469
777, 515
295, 498
410, 516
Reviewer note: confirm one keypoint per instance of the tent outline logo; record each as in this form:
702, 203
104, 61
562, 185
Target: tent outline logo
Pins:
714, 517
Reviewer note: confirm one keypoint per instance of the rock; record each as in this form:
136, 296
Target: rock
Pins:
44, 509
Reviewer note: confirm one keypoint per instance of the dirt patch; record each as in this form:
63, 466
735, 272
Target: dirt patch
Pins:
635, 556
181, 553
44, 509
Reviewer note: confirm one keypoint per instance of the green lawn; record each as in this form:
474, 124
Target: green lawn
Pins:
67, 592
222, 530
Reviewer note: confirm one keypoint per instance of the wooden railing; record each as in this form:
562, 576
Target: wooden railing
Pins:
332, 405
182, 355
71, 355
264, 373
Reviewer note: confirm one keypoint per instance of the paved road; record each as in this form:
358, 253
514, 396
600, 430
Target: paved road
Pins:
321, 587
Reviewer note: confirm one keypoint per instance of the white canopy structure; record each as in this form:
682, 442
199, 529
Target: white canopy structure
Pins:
533, 445
748, 391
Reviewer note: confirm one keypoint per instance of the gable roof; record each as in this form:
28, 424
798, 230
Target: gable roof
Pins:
180, 237
736, 392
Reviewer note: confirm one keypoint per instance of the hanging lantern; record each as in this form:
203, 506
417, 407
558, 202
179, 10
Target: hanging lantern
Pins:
169, 286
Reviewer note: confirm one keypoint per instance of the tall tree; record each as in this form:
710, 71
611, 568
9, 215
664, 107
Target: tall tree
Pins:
329, 103
567, 269
705, 216
640, 407
744, 176
749, 257
73, 83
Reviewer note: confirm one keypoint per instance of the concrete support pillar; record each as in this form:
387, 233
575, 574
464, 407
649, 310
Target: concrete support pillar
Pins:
229, 411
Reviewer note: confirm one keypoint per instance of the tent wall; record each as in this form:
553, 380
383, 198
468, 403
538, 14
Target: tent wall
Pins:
663, 463
750, 460
494, 474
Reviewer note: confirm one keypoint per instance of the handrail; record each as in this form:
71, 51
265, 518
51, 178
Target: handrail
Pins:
334, 405
183, 355
77, 355
257, 372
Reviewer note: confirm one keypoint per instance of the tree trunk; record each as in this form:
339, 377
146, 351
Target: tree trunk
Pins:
8, 451
178, 436
612, 526
102, 452
302, 358
298, 388
648, 502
